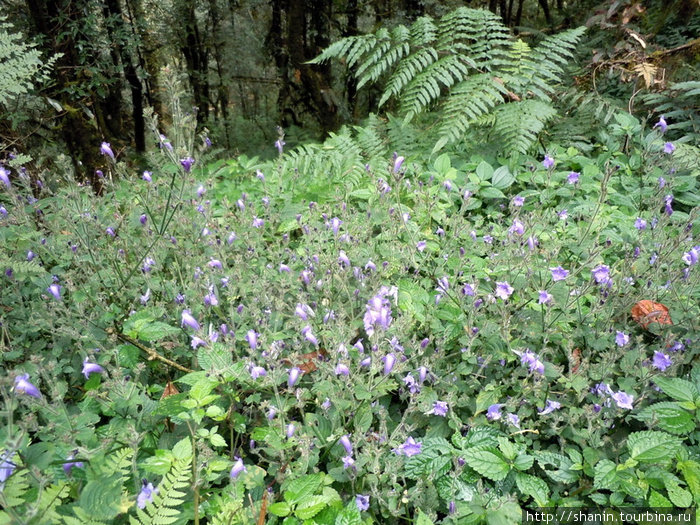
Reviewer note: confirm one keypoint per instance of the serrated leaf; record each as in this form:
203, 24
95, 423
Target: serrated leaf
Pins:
691, 474
658, 501
363, 418
534, 487
183, 449
669, 417
679, 496
309, 507
350, 515
487, 463
605, 475
678, 389
302, 488
100, 497
155, 331
652, 446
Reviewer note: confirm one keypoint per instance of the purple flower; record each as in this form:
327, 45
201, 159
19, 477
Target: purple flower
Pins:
5, 176
252, 338
148, 264
661, 124
271, 413
563, 214
389, 362
661, 361
201, 190
410, 382
55, 291
335, 225
452, 507
468, 289
289, 430
503, 290
517, 227
668, 200
601, 274
545, 297
669, 148
23, 386
258, 223
343, 259
326, 404
559, 273
422, 374
106, 149
623, 400
439, 409
348, 462
420, 245
398, 162
69, 465
494, 412
215, 263
294, 374
640, 224
602, 390
238, 468
409, 448
210, 299
514, 420
573, 177
362, 502
91, 368
188, 320
30, 256
691, 256
621, 339
347, 444
3, 211
378, 312
309, 336
187, 163
548, 162
662, 183
147, 176
146, 494
197, 342
550, 407
532, 243
143, 219
257, 371
279, 144
518, 201
533, 361
110, 231
342, 370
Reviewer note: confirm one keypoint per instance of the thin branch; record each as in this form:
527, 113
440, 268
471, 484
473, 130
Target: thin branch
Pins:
152, 354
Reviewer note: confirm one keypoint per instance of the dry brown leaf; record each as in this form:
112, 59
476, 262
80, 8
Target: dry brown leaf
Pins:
169, 390
647, 71
646, 312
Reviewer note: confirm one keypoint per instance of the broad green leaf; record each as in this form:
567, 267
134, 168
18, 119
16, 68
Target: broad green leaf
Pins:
183, 449
309, 507
484, 171
363, 418
678, 389
652, 446
534, 487
156, 331
100, 497
302, 488
423, 519
487, 463
691, 474
281, 509
658, 501
668, 416
605, 475
350, 515
502, 178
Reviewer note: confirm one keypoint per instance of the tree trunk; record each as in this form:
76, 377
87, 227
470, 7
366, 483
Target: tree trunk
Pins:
196, 59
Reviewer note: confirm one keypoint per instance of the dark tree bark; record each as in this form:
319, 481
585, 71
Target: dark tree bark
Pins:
131, 76
222, 88
196, 59
351, 83
545, 9
50, 18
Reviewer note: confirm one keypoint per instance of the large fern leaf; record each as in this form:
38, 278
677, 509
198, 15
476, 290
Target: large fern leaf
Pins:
163, 510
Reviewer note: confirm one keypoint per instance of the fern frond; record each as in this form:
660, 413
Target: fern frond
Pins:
468, 101
519, 123
15, 487
408, 70
163, 509
425, 87
119, 462
423, 32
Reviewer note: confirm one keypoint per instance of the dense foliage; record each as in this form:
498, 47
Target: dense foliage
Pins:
371, 329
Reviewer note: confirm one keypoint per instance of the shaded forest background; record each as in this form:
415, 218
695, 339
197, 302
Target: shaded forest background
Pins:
245, 62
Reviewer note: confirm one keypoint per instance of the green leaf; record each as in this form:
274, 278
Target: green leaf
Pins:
214, 357
605, 475
281, 509
302, 488
309, 507
523, 462
657, 500
490, 192
678, 389
363, 418
434, 460
679, 496
423, 519
156, 331
183, 449
652, 446
487, 463
668, 416
502, 178
691, 474
484, 171
350, 515
534, 487
100, 497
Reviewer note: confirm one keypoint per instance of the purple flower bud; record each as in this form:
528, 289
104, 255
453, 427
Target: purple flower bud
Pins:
573, 177
3, 211
342, 370
55, 291
548, 162
146, 494
143, 219
621, 339
106, 149
187, 163
201, 190
23, 386
110, 231
669, 148
252, 338
258, 223
289, 431
238, 468
30, 255
389, 362
147, 176
517, 228
559, 273
91, 368
4, 177
362, 502
271, 413
398, 162
343, 259
70, 465
661, 124
188, 320
367, 361
294, 374
279, 144
257, 371
347, 444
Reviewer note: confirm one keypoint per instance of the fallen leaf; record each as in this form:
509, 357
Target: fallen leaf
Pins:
646, 312
576, 360
169, 390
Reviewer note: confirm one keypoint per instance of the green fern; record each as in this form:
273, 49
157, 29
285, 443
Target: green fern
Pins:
679, 104
163, 510
468, 69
